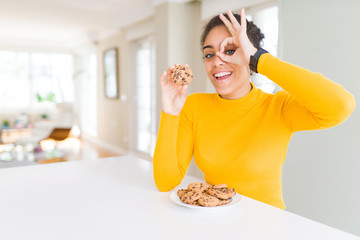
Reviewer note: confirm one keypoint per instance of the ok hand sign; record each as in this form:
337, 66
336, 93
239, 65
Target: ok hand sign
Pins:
239, 38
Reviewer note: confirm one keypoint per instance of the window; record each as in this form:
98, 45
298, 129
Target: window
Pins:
85, 83
27, 79
266, 18
145, 96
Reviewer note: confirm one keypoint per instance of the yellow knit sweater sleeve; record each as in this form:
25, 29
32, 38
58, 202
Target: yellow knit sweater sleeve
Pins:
313, 101
174, 148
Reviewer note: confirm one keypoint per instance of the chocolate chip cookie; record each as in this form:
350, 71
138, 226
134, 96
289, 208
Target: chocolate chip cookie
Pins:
221, 193
223, 202
220, 186
181, 192
206, 195
198, 186
181, 75
207, 200
190, 197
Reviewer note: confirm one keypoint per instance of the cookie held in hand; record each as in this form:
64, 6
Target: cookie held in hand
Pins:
181, 75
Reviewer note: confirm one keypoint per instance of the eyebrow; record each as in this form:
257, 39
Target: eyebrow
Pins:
207, 46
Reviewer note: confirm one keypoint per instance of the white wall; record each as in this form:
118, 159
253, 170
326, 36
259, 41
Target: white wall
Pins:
321, 175
177, 31
112, 122
210, 8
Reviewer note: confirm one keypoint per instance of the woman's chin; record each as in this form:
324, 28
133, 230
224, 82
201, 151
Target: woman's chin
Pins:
221, 91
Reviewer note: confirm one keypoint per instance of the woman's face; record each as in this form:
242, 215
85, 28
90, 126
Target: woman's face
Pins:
231, 81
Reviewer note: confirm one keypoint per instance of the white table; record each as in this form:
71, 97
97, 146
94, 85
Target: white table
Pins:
116, 198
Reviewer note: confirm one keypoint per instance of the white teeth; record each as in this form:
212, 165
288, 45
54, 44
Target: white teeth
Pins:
222, 74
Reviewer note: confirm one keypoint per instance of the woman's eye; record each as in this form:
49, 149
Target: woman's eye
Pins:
208, 55
229, 52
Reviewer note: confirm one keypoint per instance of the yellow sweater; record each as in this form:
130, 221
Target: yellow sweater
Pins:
243, 142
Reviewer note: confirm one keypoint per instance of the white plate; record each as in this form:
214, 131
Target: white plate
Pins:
175, 198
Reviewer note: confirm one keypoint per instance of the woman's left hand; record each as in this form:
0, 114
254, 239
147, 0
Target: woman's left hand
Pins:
239, 39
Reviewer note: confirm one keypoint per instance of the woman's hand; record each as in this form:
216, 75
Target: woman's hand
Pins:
239, 39
172, 96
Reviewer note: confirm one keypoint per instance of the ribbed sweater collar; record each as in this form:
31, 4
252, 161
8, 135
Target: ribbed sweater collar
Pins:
241, 104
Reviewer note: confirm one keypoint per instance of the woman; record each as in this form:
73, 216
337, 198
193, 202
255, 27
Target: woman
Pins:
239, 135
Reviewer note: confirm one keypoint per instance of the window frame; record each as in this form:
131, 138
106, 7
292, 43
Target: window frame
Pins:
133, 135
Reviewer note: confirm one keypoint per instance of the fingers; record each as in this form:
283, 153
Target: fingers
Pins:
243, 20
223, 57
233, 20
233, 25
168, 74
163, 78
227, 41
227, 24
183, 93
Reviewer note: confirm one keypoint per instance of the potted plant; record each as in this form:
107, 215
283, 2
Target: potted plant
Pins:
46, 101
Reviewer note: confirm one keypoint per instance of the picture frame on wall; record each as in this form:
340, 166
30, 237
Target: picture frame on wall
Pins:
111, 73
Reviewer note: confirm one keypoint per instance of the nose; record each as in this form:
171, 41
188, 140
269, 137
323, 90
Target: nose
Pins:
218, 61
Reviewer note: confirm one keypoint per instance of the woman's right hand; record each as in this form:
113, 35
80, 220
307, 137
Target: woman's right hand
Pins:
172, 96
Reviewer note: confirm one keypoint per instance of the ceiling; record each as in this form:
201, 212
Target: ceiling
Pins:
63, 24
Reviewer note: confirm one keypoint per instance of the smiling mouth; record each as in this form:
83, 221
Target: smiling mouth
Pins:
222, 76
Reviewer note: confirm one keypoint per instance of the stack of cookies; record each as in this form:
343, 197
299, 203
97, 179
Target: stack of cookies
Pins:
201, 194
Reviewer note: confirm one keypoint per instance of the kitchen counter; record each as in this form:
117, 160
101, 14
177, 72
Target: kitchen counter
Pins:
116, 198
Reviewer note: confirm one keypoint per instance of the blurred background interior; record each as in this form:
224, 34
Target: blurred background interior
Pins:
79, 80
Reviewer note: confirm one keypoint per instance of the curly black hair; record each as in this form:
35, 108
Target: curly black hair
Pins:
253, 32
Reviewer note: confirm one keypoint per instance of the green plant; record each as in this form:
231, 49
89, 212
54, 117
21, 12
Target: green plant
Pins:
50, 97
44, 116
5, 124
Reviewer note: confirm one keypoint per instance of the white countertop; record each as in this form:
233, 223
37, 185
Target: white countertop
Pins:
116, 198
